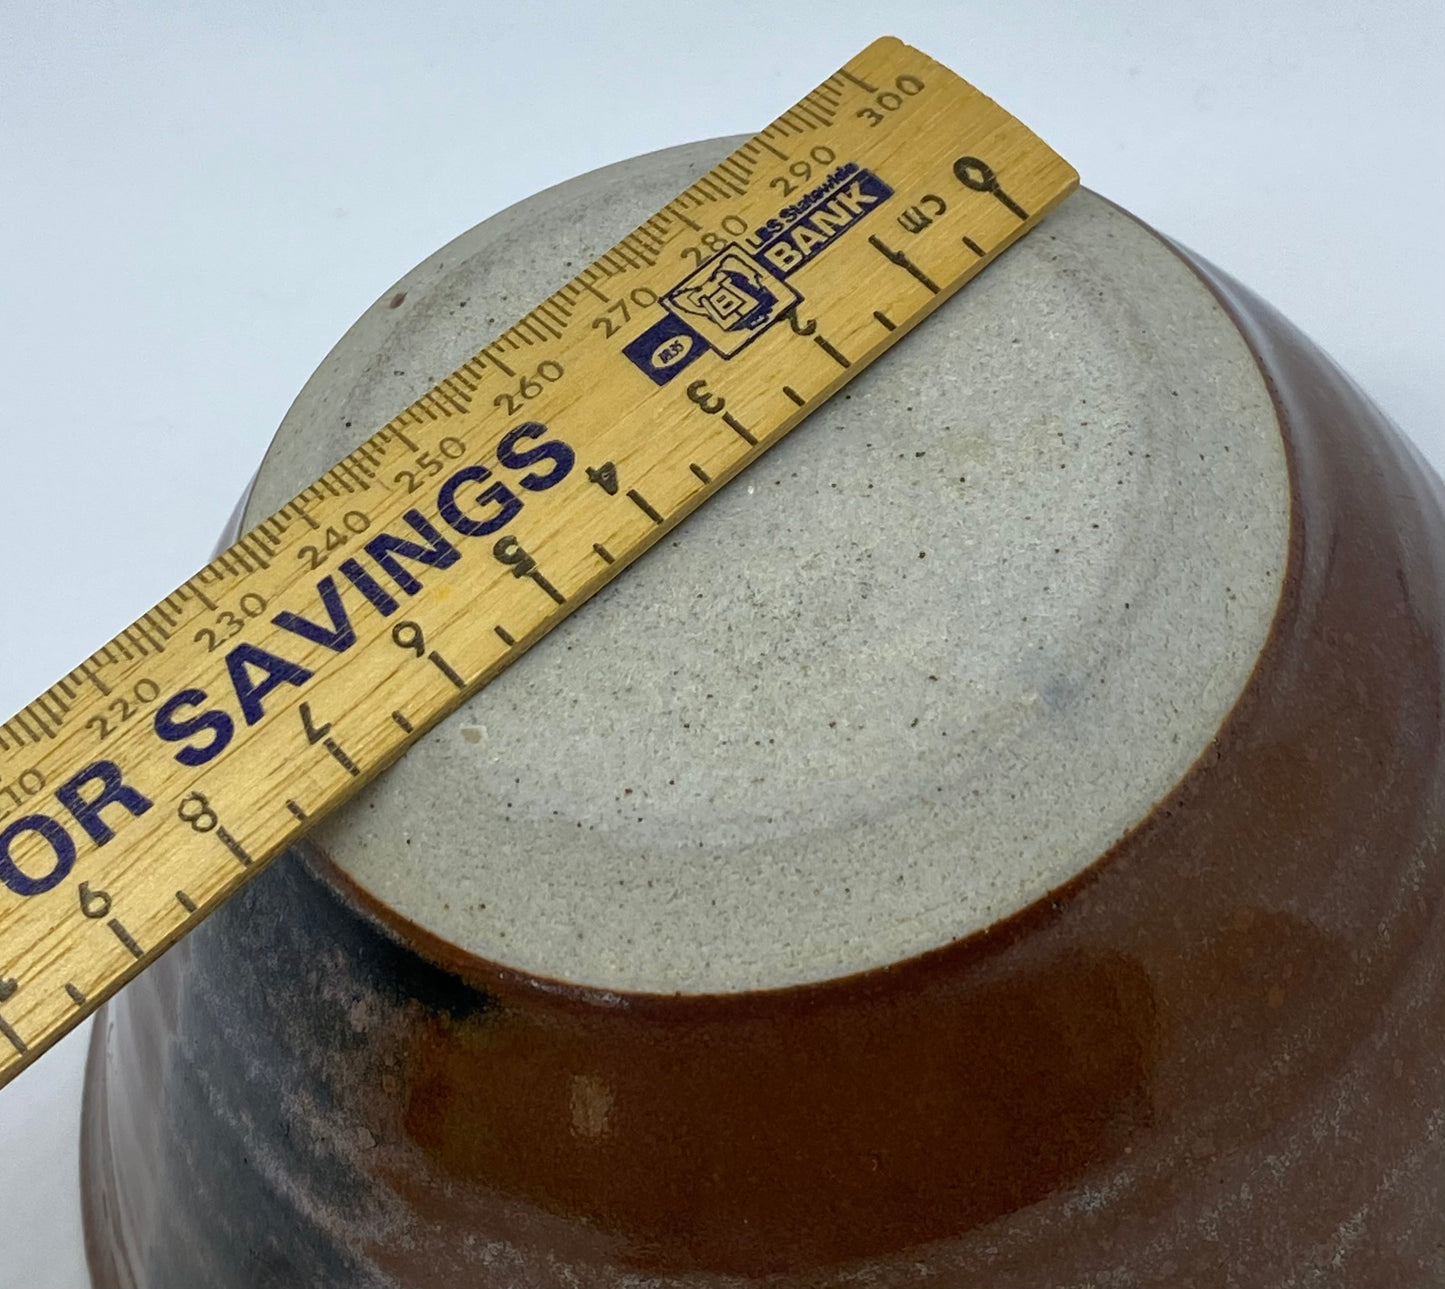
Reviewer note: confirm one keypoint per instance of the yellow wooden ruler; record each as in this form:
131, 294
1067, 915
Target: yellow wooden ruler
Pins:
148, 784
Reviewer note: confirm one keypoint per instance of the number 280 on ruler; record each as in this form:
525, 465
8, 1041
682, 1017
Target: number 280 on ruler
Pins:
142, 789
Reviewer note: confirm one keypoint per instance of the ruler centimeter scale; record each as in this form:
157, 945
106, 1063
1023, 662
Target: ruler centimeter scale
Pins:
145, 787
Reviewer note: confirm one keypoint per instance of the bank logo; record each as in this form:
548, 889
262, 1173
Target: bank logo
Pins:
730, 299
810, 226
734, 297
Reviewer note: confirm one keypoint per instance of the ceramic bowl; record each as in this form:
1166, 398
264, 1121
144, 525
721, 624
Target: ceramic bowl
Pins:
996, 841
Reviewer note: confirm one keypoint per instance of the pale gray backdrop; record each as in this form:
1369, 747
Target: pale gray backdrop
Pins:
197, 199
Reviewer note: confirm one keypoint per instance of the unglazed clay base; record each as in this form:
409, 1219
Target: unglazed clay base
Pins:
922, 664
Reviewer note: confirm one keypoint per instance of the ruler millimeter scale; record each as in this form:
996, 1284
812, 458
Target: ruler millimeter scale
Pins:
140, 791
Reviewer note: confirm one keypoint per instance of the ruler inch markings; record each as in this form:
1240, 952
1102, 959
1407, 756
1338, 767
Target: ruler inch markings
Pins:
644, 505
268, 623
238, 851
684, 219
341, 757
118, 928
18, 1043
201, 595
54, 713
901, 259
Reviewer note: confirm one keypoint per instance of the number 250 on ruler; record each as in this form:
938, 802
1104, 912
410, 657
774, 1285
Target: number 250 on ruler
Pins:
142, 789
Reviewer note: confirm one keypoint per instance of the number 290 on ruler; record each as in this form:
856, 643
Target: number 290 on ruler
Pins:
142, 789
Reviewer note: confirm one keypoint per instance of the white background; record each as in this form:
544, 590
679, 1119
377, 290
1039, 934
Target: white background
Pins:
196, 200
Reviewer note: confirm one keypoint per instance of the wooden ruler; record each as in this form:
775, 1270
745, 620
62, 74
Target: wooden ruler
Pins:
140, 791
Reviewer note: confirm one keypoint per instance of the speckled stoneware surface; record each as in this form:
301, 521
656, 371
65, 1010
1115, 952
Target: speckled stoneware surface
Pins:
925, 663
993, 842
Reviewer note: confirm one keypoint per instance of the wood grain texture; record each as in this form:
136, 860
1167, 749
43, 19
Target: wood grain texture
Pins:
145, 787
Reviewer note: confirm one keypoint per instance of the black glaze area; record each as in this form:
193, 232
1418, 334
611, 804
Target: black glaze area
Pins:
275, 1027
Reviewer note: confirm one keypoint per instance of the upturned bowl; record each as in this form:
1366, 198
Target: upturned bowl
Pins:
997, 841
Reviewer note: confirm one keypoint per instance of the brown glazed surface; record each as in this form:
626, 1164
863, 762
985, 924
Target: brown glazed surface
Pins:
1217, 1058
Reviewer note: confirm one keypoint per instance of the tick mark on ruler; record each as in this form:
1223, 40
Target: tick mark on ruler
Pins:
712, 404
700, 472
822, 343
644, 505
602, 552
317, 734
185, 901
973, 246
125, 937
343, 760
885, 320
903, 262
498, 363
231, 844
446, 669
740, 429
403, 724
509, 551
861, 84
76, 996
548, 587
296, 810
506, 636
794, 395
16, 1041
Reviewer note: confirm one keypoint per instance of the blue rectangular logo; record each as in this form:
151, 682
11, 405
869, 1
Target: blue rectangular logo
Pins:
665, 348
731, 299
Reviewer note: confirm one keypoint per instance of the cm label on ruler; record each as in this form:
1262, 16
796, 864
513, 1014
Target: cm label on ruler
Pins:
142, 789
